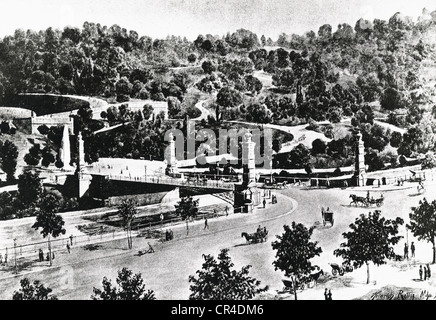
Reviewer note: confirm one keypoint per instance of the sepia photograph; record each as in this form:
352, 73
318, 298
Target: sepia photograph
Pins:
234, 150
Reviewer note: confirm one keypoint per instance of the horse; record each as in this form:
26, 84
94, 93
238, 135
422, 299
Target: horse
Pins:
313, 278
250, 237
420, 188
357, 200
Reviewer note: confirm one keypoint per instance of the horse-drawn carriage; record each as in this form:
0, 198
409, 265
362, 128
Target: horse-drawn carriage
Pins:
260, 235
345, 267
366, 201
327, 216
378, 202
309, 281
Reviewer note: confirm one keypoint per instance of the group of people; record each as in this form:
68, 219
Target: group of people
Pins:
47, 256
6, 258
426, 272
261, 230
406, 250
169, 235
327, 294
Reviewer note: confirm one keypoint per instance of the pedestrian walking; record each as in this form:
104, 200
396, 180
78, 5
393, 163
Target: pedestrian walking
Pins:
329, 295
206, 226
52, 255
264, 203
428, 271
412, 249
325, 294
41, 255
406, 251
47, 256
71, 239
420, 272
68, 247
227, 211
6, 258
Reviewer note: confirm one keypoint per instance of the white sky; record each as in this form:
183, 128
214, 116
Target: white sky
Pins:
159, 18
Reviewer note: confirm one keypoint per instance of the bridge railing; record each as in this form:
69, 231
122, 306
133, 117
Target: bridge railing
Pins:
212, 184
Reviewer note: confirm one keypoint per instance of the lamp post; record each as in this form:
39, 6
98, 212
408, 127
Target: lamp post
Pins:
15, 255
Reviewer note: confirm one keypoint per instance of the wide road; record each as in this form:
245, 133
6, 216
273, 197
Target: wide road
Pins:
167, 270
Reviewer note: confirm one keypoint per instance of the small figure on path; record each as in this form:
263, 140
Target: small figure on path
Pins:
406, 251
412, 249
47, 257
367, 196
428, 271
6, 258
150, 248
71, 239
68, 247
41, 255
325, 294
264, 203
329, 295
420, 272
206, 226
227, 211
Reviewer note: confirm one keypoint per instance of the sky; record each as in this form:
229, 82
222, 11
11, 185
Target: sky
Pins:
159, 18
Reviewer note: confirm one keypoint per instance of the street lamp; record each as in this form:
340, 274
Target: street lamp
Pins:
15, 254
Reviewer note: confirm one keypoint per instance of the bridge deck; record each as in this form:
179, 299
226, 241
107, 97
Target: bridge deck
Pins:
208, 184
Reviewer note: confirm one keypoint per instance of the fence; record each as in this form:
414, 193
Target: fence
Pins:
152, 229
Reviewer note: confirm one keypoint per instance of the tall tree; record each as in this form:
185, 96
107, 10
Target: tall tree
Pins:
50, 223
29, 187
37, 291
217, 281
130, 287
187, 208
371, 239
423, 223
127, 210
9, 155
294, 252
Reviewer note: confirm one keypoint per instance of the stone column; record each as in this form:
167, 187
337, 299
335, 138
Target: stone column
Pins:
360, 170
248, 158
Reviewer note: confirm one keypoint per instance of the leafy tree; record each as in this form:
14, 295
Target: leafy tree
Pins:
228, 97
318, 147
9, 155
130, 287
371, 239
192, 58
50, 223
294, 252
29, 187
423, 223
217, 281
37, 291
187, 208
174, 107
299, 157
391, 99
208, 67
34, 156
127, 210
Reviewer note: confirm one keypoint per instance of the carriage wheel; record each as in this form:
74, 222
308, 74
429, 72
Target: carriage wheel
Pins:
334, 272
341, 272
